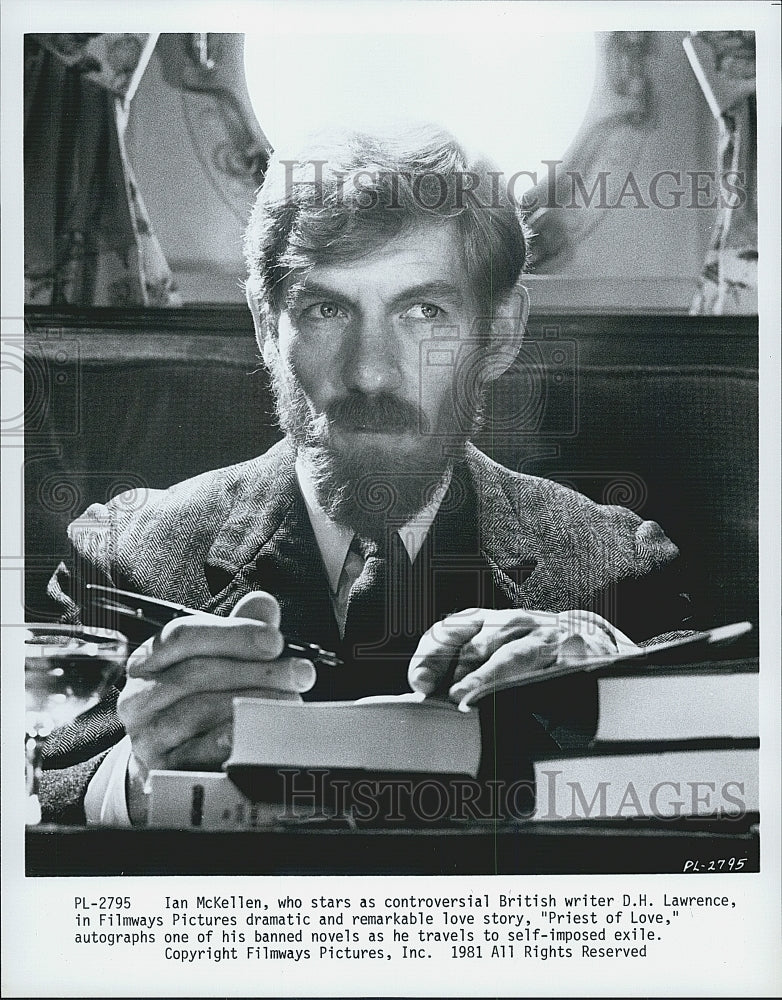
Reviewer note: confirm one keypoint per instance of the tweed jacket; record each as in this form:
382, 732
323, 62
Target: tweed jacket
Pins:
208, 541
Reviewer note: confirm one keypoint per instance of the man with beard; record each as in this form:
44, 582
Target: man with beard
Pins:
384, 286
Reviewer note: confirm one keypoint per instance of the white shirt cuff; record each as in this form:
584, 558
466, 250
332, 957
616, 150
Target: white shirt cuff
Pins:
105, 802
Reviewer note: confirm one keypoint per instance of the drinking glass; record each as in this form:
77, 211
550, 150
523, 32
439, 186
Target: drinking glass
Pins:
67, 669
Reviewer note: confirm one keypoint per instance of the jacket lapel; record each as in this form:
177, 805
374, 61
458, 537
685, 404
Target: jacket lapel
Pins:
267, 543
258, 509
510, 517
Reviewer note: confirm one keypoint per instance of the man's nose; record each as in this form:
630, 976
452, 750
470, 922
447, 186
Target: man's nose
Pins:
372, 358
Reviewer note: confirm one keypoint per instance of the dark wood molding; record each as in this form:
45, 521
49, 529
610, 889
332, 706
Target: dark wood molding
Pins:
608, 339
219, 320
229, 319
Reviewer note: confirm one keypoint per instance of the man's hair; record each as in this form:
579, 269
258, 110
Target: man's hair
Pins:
350, 193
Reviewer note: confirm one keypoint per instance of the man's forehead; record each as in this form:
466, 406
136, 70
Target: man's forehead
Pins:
428, 253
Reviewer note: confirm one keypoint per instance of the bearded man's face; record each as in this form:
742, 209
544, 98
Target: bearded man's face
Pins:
366, 368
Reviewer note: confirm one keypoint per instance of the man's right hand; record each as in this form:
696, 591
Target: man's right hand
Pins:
177, 703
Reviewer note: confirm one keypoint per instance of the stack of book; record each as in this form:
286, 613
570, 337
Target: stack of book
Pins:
290, 759
671, 741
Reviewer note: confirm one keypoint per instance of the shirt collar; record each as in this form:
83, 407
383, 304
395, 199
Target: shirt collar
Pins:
334, 539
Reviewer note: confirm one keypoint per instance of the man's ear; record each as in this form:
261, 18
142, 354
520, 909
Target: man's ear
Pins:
508, 326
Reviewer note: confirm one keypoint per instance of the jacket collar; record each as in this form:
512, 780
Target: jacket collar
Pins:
267, 491
508, 526
264, 493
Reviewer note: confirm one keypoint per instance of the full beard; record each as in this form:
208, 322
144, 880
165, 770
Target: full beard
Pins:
375, 483
364, 491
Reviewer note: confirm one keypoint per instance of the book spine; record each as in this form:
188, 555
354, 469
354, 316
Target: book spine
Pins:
204, 800
714, 784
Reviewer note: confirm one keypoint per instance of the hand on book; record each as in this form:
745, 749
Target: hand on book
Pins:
177, 704
477, 650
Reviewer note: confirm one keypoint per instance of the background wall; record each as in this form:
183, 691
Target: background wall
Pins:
634, 258
186, 144
646, 257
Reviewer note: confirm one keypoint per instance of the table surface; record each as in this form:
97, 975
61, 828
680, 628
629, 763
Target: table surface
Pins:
606, 847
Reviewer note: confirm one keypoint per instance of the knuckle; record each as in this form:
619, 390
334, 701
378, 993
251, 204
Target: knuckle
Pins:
259, 637
153, 743
442, 633
473, 651
139, 659
174, 630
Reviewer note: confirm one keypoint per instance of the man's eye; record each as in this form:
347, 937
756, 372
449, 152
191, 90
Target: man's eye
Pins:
325, 310
423, 310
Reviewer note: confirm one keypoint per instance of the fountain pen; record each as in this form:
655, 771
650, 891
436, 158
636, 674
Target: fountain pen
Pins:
144, 616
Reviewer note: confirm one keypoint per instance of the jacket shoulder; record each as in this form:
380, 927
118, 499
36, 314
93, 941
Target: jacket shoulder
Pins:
124, 537
563, 525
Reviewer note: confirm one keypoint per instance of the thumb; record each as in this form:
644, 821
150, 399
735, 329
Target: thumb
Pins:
259, 606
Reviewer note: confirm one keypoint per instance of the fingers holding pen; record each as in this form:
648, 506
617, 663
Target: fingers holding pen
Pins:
205, 636
177, 703
208, 674
250, 632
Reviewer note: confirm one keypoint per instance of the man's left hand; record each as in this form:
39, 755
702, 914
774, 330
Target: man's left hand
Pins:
478, 650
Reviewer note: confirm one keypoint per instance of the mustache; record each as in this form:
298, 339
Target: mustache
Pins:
376, 413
